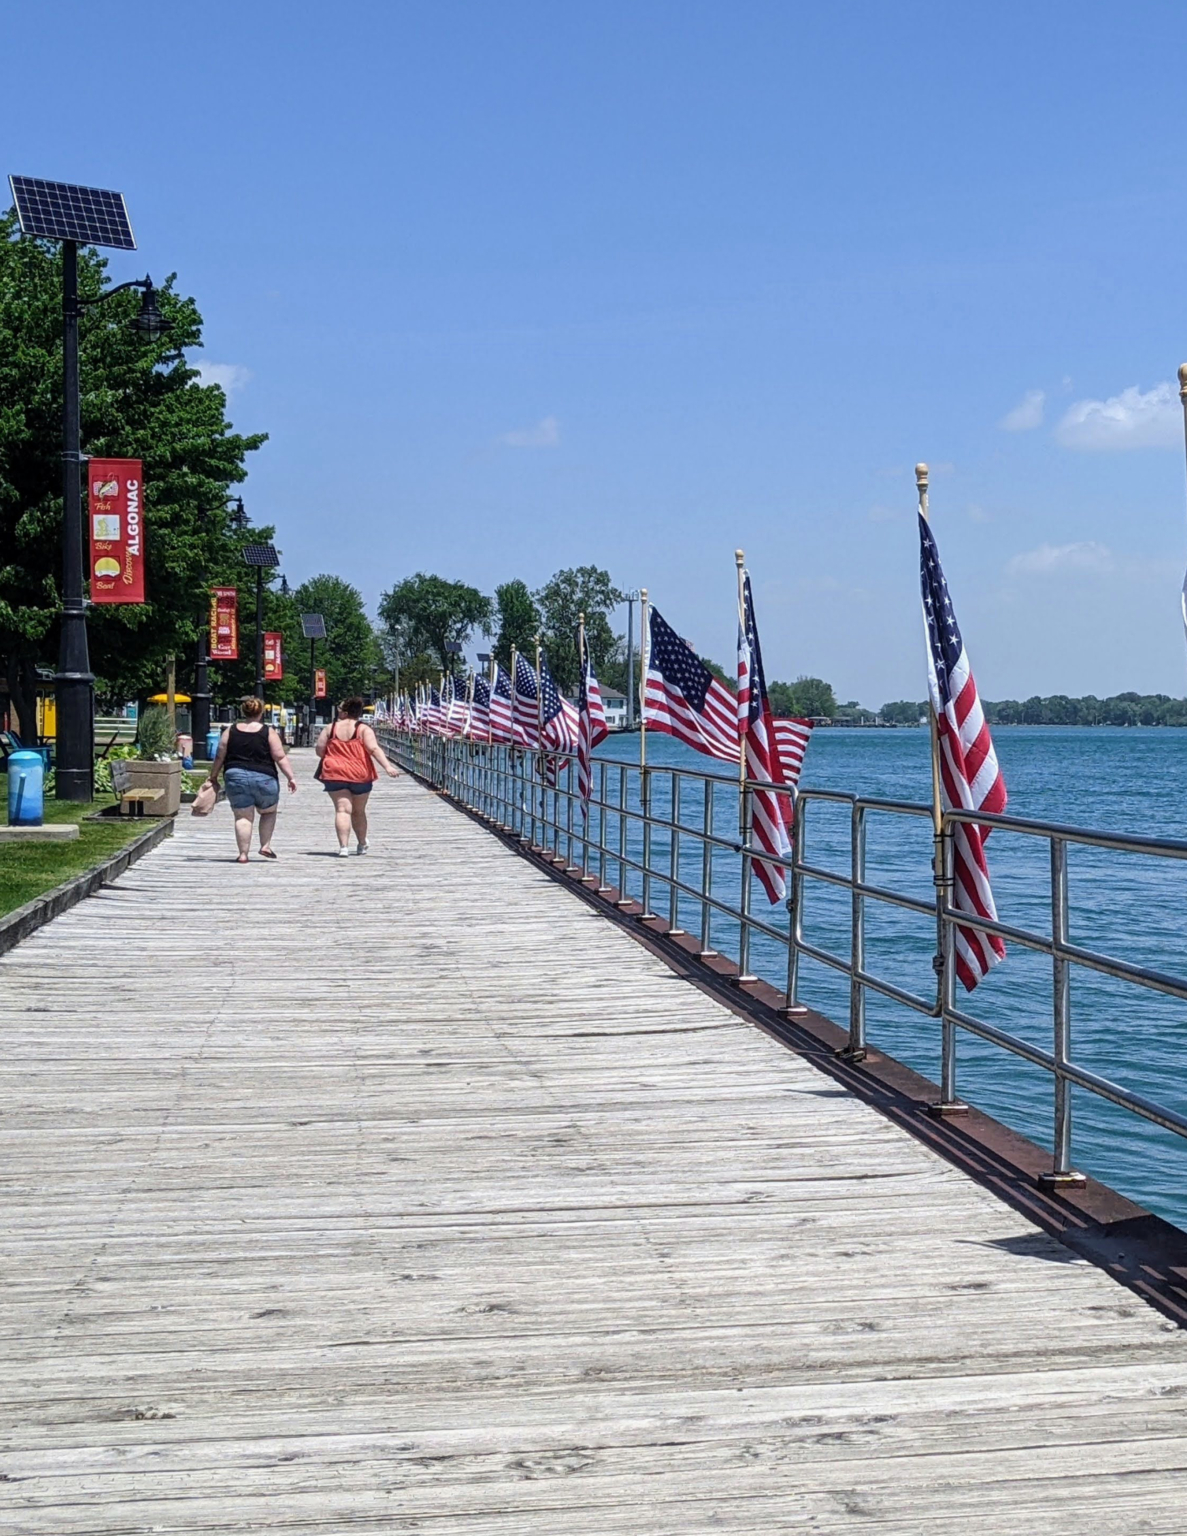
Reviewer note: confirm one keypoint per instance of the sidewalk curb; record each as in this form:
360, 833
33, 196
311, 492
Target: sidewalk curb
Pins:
35, 914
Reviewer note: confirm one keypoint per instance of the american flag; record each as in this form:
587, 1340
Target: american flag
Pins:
682, 698
558, 717
456, 711
770, 811
500, 708
434, 714
480, 710
591, 727
525, 714
970, 779
791, 742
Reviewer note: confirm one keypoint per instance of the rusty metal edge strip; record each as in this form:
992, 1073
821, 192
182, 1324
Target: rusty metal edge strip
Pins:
18, 925
1139, 1250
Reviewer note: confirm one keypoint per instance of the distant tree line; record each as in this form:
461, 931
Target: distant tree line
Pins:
1059, 709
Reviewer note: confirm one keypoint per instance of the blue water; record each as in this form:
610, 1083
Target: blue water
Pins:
1130, 906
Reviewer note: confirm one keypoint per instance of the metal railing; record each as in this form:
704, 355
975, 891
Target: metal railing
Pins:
610, 843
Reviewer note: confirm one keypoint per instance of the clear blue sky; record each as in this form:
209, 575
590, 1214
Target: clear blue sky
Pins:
516, 286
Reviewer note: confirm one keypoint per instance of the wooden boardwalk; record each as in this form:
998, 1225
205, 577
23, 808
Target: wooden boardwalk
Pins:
407, 1194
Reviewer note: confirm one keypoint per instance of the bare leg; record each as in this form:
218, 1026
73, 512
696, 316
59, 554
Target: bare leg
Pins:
244, 821
342, 816
267, 826
358, 816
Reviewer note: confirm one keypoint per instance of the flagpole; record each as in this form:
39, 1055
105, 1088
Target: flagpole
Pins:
644, 774
644, 657
937, 804
945, 959
513, 756
740, 562
1183, 399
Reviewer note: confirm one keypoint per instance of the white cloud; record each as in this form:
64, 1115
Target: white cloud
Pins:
545, 434
1128, 420
1053, 559
232, 376
1026, 415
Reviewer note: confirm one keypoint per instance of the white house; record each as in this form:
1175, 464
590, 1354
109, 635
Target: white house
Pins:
615, 707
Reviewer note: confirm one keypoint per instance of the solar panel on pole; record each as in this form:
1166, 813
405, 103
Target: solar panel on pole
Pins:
313, 626
57, 210
260, 554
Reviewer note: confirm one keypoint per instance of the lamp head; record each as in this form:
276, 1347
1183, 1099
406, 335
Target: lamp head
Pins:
150, 322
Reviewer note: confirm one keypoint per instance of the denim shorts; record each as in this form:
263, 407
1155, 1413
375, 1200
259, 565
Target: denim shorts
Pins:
340, 786
247, 789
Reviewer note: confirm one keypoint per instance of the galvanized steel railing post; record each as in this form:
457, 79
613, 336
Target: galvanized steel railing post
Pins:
1063, 1174
795, 911
645, 805
949, 1102
602, 886
707, 872
674, 870
747, 805
855, 1049
622, 892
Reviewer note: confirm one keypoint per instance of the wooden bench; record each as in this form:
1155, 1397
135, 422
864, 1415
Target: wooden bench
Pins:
133, 801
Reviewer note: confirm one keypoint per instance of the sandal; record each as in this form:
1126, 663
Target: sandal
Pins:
266, 853
242, 859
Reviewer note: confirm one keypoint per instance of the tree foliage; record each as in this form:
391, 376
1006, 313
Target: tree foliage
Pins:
139, 400
350, 652
428, 613
1118, 709
808, 697
518, 620
583, 589
904, 712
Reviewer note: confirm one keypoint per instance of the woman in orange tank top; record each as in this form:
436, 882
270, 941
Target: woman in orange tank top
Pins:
349, 751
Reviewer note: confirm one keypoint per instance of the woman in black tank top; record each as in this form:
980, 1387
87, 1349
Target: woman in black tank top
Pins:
251, 757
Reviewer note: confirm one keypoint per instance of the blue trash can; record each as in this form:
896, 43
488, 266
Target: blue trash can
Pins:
213, 737
26, 788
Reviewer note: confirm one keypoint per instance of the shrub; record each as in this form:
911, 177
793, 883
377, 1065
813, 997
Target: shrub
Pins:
155, 738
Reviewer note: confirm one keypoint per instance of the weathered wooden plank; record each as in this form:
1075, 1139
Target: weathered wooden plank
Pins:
418, 1197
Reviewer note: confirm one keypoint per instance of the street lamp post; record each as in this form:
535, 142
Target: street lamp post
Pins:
74, 215
631, 599
261, 557
313, 627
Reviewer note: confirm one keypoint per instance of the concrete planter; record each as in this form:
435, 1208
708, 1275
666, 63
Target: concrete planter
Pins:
132, 773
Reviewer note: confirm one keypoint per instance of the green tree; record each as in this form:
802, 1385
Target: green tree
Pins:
808, 697
139, 400
903, 712
428, 613
350, 653
583, 589
518, 620
721, 674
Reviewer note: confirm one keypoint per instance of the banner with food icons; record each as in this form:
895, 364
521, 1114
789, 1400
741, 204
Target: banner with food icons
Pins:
224, 624
273, 658
117, 530
319, 684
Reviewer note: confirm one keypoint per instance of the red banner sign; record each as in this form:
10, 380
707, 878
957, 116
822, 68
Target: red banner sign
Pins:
117, 530
273, 657
224, 624
319, 683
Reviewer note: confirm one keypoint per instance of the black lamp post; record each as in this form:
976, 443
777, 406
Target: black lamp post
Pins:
313, 627
261, 557
54, 210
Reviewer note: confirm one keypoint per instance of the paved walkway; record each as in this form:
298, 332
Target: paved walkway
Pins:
407, 1194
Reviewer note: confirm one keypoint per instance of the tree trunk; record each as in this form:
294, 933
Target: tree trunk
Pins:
22, 690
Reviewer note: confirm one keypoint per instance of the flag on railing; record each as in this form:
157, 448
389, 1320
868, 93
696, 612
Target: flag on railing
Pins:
682, 698
525, 715
591, 727
558, 724
970, 779
434, 714
480, 710
501, 728
770, 811
455, 708
791, 742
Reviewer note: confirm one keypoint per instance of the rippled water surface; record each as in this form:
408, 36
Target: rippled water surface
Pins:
1130, 906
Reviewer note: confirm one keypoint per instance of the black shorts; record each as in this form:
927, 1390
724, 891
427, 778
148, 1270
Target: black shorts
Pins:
338, 786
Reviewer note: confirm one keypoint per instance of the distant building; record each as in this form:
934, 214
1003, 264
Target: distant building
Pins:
615, 707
